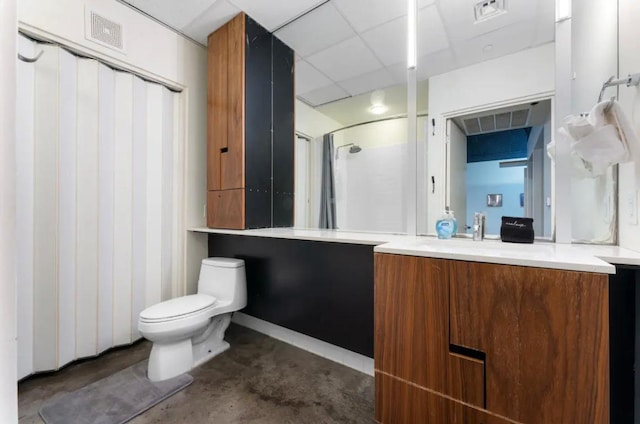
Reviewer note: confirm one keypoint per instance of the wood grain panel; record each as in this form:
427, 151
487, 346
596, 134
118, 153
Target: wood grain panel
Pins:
466, 379
545, 335
225, 209
232, 162
217, 103
411, 324
400, 402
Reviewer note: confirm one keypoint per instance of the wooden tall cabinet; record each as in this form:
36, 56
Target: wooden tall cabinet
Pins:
466, 342
250, 129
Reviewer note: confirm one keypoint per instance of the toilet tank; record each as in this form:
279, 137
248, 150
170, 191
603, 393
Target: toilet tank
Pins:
224, 279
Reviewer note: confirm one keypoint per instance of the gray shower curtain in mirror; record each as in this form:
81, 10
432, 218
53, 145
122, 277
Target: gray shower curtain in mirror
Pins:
327, 188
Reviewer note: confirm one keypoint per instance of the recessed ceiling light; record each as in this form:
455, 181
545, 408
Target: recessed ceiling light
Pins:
488, 9
378, 109
487, 48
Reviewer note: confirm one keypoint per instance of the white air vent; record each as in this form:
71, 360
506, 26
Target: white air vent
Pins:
499, 121
489, 9
103, 31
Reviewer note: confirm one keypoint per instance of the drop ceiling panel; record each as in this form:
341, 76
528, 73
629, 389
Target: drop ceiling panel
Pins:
399, 71
432, 36
324, 95
213, 18
316, 31
459, 19
366, 14
504, 41
309, 78
364, 83
435, 63
273, 13
388, 41
176, 14
345, 60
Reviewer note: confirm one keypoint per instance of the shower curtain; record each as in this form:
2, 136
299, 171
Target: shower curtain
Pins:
327, 190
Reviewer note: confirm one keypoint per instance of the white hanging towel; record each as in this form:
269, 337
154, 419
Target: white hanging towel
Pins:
602, 139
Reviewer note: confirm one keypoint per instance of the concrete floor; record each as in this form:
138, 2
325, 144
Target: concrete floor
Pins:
259, 380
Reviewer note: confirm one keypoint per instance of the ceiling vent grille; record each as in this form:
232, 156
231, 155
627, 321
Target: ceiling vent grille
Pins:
472, 125
503, 121
487, 123
489, 9
520, 118
103, 31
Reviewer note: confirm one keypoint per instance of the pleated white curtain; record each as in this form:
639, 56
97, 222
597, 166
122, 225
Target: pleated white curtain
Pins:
95, 210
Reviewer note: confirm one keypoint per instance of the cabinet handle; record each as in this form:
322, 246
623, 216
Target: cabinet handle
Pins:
224, 150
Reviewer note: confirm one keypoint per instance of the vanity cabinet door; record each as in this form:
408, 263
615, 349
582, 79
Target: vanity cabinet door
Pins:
545, 335
411, 327
412, 340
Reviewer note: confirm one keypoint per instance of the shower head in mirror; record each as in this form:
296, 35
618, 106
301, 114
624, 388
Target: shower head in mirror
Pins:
353, 149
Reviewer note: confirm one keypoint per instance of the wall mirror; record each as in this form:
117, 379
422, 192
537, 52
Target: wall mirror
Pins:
491, 82
351, 64
499, 166
351, 111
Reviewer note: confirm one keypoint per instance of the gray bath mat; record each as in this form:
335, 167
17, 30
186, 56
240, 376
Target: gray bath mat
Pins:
112, 400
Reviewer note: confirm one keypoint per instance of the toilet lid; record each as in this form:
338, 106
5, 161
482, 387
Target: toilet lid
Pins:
177, 307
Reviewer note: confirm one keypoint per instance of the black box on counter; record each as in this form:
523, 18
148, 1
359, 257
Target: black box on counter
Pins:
516, 230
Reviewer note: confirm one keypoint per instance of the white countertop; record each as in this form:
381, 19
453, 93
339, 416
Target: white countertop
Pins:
572, 257
335, 236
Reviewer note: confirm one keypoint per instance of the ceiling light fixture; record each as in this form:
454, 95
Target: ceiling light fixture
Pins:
412, 51
378, 109
377, 103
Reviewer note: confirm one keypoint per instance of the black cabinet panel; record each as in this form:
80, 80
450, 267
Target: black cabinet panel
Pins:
622, 330
321, 289
258, 96
283, 134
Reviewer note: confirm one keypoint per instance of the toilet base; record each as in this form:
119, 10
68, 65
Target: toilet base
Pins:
168, 360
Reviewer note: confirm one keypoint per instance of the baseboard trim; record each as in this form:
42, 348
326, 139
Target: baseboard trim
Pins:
334, 353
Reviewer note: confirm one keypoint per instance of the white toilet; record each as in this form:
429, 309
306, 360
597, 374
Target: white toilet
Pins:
188, 331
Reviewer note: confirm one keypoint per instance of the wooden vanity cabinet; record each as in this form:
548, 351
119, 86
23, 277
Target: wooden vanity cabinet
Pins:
250, 129
466, 342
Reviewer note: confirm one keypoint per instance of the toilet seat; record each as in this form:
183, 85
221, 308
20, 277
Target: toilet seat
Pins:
178, 308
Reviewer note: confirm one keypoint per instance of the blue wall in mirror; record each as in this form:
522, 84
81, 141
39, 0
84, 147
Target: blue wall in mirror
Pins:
503, 145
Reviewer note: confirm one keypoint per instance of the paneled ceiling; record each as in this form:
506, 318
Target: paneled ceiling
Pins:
345, 48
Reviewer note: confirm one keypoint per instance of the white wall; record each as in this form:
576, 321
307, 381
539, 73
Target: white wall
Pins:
160, 54
629, 173
509, 79
369, 184
313, 123
8, 318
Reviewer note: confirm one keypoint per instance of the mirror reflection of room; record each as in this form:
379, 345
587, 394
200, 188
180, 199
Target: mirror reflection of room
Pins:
499, 166
351, 108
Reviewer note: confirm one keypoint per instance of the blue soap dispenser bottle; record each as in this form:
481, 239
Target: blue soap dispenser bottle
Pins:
445, 225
